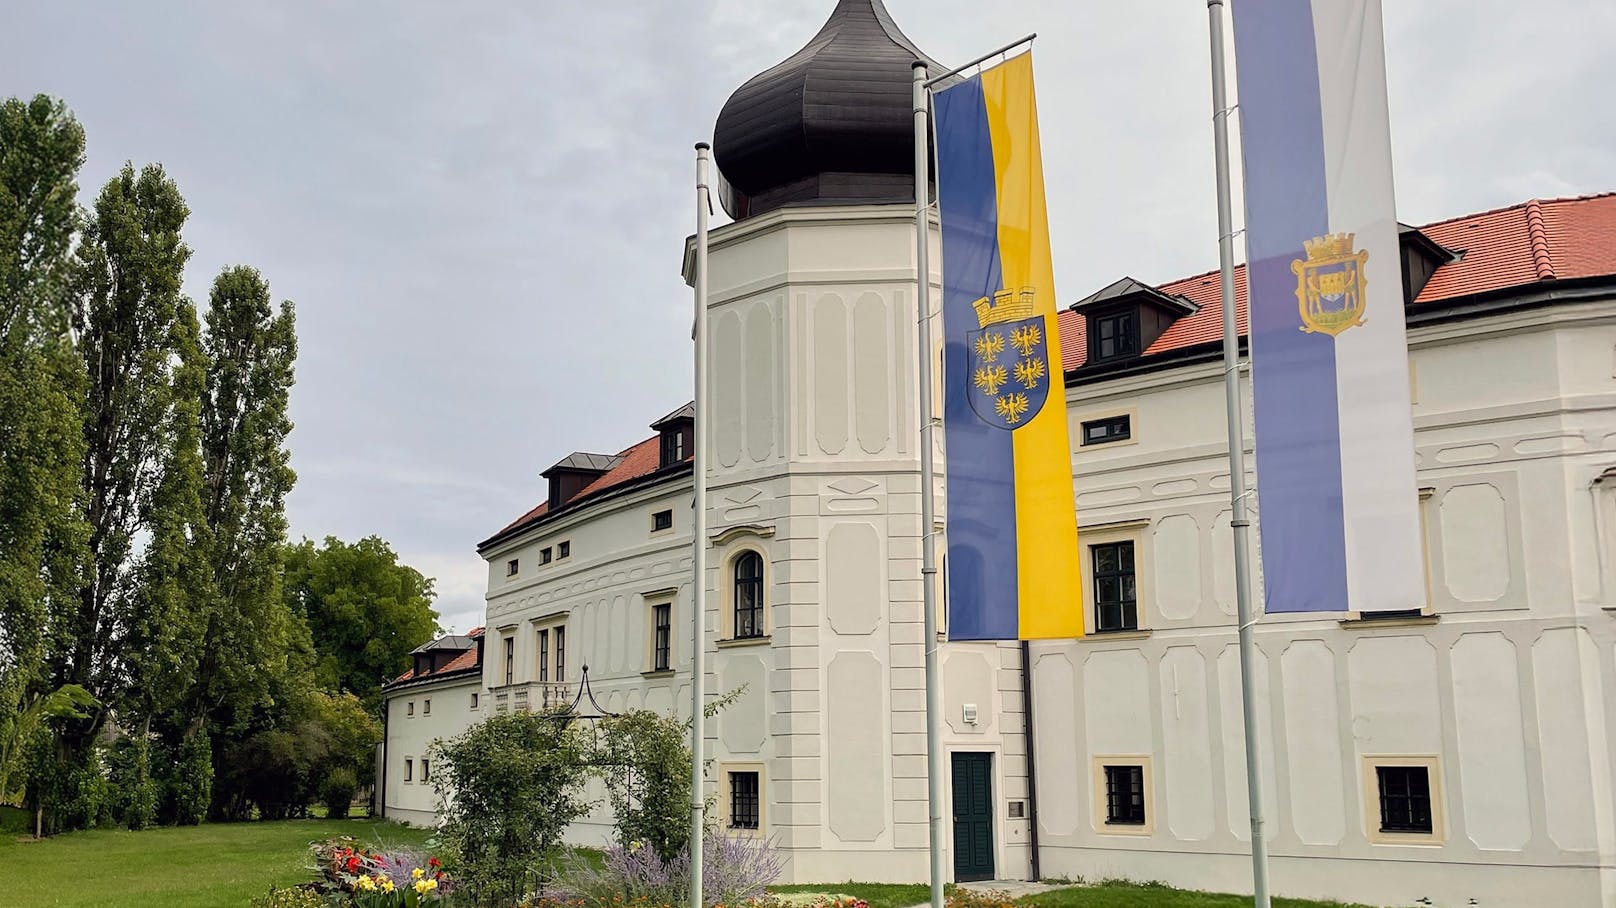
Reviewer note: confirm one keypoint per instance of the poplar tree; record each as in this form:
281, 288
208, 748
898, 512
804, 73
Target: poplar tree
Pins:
133, 632
250, 347
41, 383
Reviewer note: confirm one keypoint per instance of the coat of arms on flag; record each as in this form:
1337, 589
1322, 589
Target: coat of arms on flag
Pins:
1330, 284
1009, 359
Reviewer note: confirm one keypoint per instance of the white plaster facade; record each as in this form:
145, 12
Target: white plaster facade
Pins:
1504, 688
418, 716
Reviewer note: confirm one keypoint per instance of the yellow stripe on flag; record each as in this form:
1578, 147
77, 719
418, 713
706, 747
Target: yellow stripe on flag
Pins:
1049, 566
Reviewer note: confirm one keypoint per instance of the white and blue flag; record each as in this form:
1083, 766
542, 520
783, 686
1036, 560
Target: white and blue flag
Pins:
1337, 501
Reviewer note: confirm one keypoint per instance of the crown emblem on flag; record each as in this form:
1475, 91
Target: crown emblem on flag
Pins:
1330, 284
1007, 305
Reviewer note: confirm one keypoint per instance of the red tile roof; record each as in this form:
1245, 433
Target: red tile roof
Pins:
1517, 246
1511, 247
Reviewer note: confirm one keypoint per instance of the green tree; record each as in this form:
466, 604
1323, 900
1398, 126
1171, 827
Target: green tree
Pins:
42, 531
365, 611
249, 349
132, 635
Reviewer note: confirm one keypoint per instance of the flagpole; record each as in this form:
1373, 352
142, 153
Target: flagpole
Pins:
1237, 459
928, 504
698, 535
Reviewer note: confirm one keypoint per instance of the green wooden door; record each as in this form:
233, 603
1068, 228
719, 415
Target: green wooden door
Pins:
973, 817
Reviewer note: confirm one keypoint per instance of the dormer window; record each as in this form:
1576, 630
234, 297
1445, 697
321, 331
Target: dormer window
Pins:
1115, 335
1125, 318
677, 435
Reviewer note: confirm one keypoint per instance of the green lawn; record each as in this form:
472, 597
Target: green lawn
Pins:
210, 866
879, 895
1135, 895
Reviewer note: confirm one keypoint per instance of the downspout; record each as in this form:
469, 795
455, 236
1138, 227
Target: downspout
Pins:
381, 794
1032, 760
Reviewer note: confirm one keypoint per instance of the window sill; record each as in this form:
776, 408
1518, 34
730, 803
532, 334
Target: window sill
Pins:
658, 673
1127, 829
731, 642
1139, 634
1358, 622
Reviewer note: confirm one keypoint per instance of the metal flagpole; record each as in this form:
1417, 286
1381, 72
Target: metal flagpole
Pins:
928, 505
1237, 458
698, 545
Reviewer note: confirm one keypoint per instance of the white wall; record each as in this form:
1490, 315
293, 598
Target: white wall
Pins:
410, 737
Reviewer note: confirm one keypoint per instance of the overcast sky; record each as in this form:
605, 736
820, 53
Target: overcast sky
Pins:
479, 208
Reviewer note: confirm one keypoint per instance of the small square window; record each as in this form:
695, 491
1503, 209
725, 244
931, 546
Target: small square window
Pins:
1109, 429
409, 708
661, 520
409, 770
1405, 799
546, 555
744, 812
1125, 795
426, 710
512, 566
474, 699
563, 549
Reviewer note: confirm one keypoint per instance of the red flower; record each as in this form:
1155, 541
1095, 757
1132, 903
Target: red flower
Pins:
353, 864
433, 862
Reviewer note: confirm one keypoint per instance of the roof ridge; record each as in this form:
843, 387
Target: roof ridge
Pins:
1538, 237
1557, 200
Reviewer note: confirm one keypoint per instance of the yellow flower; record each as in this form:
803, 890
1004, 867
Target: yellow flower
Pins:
417, 873
387, 885
364, 884
422, 887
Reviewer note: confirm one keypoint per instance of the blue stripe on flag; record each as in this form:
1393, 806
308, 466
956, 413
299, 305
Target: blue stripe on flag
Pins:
1293, 373
981, 470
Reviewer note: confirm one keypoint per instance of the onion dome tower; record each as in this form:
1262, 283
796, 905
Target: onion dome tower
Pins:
832, 123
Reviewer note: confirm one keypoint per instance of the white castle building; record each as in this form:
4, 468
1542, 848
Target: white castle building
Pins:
1459, 752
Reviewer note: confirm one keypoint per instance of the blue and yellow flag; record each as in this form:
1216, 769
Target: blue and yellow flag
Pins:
1013, 562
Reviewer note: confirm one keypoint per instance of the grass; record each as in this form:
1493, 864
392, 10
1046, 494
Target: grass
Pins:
1151, 895
879, 895
207, 866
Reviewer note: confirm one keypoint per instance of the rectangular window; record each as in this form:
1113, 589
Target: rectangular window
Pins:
426, 770
1125, 795
409, 770
426, 708
474, 699
673, 447
512, 566
743, 800
561, 653
1111, 428
661, 520
545, 555
543, 654
563, 549
662, 621
510, 659
1116, 606
409, 708
1116, 335
1405, 798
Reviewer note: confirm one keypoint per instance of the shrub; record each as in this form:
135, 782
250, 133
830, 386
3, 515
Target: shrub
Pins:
133, 790
69, 787
338, 792
295, 897
190, 783
735, 871
645, 762
510, 787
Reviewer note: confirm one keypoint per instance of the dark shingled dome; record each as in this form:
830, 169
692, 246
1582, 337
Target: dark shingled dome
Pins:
832, 123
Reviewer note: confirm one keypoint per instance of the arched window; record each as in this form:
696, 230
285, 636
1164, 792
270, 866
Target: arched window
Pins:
748, 595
